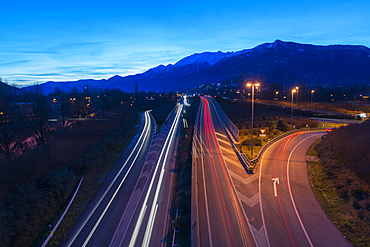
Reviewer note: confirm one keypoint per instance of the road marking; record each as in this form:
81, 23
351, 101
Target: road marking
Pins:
244, 180
276, 180
223, 141
260, 195
228, 150
233, 162
251, 202
220, 134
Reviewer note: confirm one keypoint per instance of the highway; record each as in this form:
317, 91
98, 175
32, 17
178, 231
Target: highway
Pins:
218, 219
273, 207
132, 205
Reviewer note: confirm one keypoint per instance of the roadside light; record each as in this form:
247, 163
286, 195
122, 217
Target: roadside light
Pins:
291, 107
252, 86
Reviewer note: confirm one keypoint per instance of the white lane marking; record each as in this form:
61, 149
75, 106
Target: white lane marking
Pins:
290, 191
260, 195
251, 202
220, 134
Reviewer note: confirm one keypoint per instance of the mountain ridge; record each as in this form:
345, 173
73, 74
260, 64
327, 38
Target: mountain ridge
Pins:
279, 61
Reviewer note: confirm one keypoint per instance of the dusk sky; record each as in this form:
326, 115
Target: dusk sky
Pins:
78, 39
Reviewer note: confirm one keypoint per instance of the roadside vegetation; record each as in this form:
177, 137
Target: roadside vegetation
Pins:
37, 177
341, 180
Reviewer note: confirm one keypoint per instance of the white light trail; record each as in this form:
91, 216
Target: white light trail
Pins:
144, 134
165, 149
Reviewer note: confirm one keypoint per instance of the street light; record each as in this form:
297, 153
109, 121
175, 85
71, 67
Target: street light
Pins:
297, 95
252, 86
312, 91
276, 93
291, 111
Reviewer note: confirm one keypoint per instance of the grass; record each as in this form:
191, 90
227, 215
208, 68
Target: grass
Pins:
338, 210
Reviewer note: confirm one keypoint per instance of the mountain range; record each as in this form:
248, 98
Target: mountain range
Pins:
277, 62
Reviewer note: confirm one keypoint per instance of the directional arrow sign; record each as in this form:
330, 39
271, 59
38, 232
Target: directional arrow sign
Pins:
276, 180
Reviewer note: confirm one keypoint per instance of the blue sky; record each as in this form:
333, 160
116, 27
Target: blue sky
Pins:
78, 39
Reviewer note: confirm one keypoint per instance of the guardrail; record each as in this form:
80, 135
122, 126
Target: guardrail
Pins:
280, 137
62, 217
246, 163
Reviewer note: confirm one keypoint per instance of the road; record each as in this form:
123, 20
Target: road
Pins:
218, 219
274, 207
132, 206
290, 212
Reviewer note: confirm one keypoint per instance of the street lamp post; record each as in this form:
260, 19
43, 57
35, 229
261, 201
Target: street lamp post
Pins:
276, 95
297, 95
291, 111
312, 91
252, 86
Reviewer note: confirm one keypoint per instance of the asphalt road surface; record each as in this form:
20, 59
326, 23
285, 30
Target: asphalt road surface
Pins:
218, 216
289, 209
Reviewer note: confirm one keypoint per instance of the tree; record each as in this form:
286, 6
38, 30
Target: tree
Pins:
37, 113
283, 125
11, 132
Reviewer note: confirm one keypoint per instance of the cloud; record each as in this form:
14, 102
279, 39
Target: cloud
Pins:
16, 62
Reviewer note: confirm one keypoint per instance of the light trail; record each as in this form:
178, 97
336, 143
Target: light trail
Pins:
165, 149
144, 134
282, 154
204, 183
290, 192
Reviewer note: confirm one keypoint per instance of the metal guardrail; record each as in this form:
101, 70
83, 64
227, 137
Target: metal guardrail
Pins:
280, 137
62, 217
246, 163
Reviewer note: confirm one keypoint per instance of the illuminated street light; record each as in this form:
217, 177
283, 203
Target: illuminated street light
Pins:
297, 95
312, 91
276, 95
291, 111
252, 86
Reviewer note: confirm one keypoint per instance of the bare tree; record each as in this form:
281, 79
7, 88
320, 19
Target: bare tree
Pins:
37, 113
12, 133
